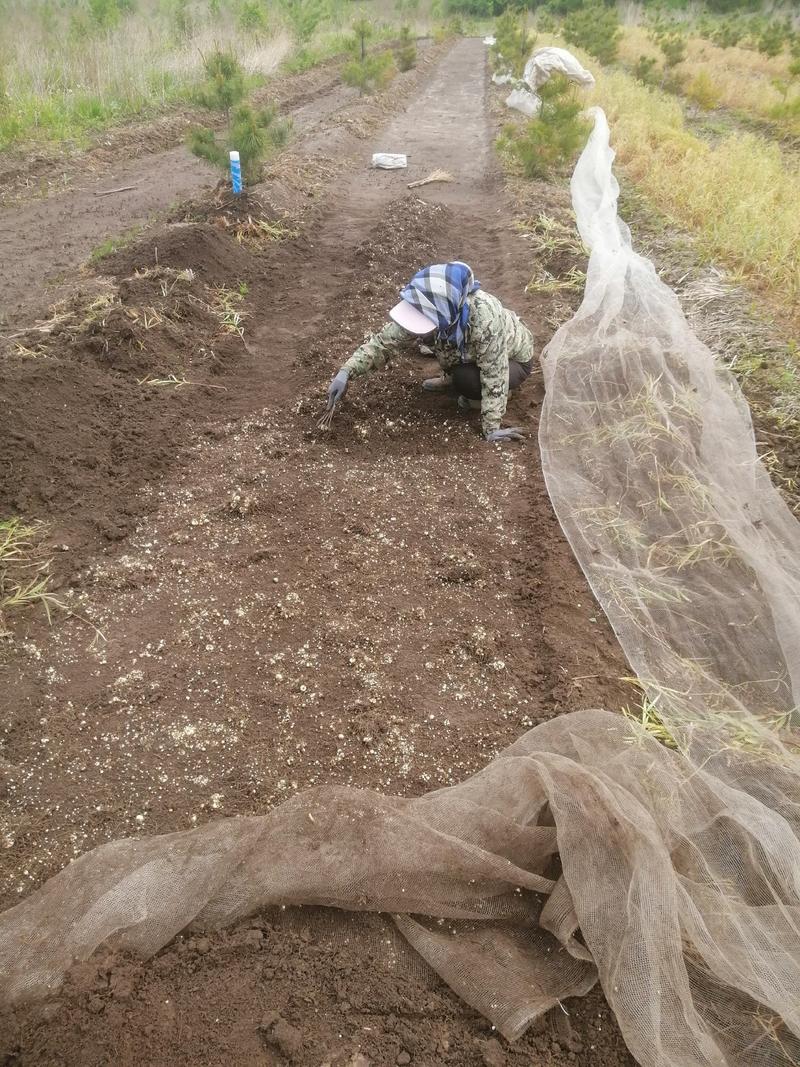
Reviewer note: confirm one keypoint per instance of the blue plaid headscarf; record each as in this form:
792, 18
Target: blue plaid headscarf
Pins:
440, 292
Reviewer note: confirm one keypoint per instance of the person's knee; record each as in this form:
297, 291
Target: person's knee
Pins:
467, 381
518, 374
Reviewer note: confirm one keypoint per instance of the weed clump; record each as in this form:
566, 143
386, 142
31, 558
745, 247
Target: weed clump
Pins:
371, 74
703, 92
24, 571
645, 70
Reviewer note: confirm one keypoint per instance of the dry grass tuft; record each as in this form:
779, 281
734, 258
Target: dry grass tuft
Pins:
24, 570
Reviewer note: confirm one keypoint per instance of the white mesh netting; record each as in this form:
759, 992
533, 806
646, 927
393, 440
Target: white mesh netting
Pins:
588, 848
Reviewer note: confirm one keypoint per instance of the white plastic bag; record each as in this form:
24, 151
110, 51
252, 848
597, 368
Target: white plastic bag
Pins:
489, 41
547, 61
543, 63
389, 161
525, 101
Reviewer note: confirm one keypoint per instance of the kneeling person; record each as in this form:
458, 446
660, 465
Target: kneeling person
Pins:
483, 348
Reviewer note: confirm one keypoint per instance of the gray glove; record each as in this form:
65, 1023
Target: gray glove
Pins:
513, 433
338, 388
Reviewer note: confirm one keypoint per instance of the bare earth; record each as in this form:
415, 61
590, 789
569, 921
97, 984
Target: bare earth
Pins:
387, 605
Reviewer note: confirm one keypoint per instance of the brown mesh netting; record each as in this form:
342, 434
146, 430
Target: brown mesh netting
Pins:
589, 847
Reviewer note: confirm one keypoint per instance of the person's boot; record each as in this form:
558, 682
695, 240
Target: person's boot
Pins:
442, 384
465, 404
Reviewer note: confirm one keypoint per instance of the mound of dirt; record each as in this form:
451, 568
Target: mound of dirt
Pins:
225, 209
203, 248
95, 401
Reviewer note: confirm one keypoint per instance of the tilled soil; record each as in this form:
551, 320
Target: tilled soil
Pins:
386, 605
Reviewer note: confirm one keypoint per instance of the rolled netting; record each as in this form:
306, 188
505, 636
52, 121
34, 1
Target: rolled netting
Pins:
663, 861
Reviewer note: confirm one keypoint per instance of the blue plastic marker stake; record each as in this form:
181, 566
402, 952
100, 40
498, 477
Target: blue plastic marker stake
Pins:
236, 173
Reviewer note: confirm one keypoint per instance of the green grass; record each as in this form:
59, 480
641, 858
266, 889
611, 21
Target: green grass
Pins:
329, 46
74, 117
63, 76
114, 244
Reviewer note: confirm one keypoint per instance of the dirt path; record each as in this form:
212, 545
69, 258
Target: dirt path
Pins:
385, 605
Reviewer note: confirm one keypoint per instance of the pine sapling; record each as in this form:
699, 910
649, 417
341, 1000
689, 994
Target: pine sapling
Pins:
406, 52
254, 133
553, 137
596, 29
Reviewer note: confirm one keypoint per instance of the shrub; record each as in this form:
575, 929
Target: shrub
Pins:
644, 70
304, 17
252, 17
772, 39
362, 31
673, 47
513, 44
702, 90
224, 86
370, 74
596, 29
728, 33
553, 137
787, 112
406, 52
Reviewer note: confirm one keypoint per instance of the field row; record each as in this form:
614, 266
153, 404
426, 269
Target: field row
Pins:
71, 70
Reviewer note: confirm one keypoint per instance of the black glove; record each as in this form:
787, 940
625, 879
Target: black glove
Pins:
338, 388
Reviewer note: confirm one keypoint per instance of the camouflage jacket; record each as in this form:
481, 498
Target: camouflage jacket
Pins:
494, 336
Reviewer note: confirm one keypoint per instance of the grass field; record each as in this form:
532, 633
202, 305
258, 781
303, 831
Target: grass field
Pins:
72, 68
741, 79
66, 73
738, 192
